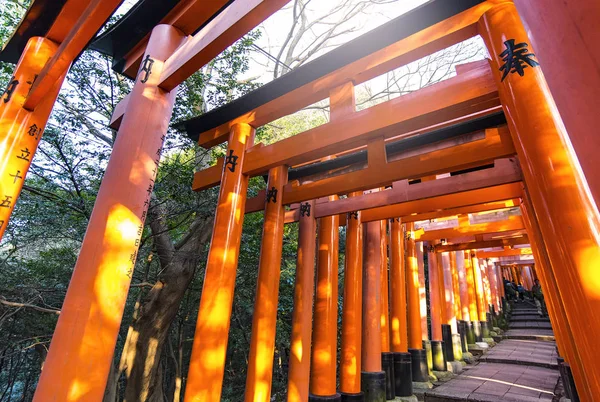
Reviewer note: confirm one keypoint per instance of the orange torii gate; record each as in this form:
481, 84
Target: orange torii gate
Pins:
472, 126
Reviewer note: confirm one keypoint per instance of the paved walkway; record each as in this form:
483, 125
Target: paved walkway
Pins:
520, 368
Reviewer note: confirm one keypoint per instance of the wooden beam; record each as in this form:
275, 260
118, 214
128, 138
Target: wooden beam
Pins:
437, 37
231, 24
495, 144
118, 113
80, 34
482, 244
491, 206
513, 223
505, 253
187, 16
456, 97
504, 171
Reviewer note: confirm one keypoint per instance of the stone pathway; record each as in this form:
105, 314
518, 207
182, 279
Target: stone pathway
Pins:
493, 382
520, 368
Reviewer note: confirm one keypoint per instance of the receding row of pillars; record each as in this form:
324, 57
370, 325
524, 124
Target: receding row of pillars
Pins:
561, 218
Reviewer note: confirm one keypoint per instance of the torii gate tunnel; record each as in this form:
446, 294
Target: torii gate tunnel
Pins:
490, 139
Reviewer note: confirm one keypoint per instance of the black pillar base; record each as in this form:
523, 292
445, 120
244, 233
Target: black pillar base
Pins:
567, 378
373, 386
387, 365
403, 374
360, 397
477, 331
462, 331
420, 371
439, 357
329, 398
485, 329
448, 344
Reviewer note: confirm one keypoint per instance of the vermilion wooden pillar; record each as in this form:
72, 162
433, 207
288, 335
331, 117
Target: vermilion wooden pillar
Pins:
371, 335
324, 341
352, 309
436, 307
447, 291
479, 290
554, 304
473, 311
463, 286
398, 314
207, 363
83, 343
413, 290
455, 287
20, 129
554, 26
385, 291
558, 191
422, 291
300, 340
264, 318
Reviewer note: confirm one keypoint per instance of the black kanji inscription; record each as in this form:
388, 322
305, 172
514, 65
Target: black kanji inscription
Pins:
516, 58
17, 176
305, 209
10, 88
353, 214
231, 161
7, 202
146, 69
272, 195
25, 154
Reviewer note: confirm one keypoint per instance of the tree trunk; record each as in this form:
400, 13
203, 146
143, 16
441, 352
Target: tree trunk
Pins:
159, 308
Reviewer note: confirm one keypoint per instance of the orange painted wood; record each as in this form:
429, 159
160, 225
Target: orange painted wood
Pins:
422, 290
513, 223
421, 44
495, 145
207, 363
21, 130
264, 316
553, 299
371, 332
455, 97
80, 34
300, 339
471, 293
398, 312
554, 26
231, 24
117, 115
66, 19
436, 306
387, 202
80, 355
187, 16
385, 291
486, 207
461, 268
505, 253
479, 290
483, 244
559, 200
324, 341
457, 305
350, 360
412, 290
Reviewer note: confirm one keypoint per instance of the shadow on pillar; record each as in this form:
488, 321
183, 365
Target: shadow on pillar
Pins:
387, 365
420, 371
403, 377
373, 386
447, 342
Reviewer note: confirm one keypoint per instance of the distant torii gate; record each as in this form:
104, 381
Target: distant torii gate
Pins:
471, 126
